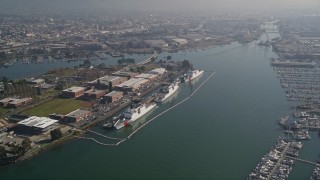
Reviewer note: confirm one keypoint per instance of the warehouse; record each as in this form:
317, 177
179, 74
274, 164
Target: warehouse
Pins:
35, 125
94, 94
113, 96
15, 102
132, 85
73, 92
106, 81
76, 116
151, 77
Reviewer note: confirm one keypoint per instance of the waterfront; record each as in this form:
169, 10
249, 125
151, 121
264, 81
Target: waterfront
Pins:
233, 128
18, 70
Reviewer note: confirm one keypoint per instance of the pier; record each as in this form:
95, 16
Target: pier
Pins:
304, 161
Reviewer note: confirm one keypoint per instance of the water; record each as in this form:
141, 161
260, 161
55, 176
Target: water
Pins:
219, 133
18, 70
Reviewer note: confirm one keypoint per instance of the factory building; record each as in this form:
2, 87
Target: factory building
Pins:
113, 96
76, 116
73, 92
107, 81
35, 125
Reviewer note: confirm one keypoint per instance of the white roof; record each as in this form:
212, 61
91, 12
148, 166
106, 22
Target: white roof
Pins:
132, 82
146, 76
158, 71
38, 122
180, 40
75, 89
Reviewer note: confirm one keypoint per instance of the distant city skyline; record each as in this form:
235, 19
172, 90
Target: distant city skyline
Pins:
163, 5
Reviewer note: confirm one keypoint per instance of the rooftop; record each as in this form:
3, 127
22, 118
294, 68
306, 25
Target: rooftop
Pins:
74, 89
132, 82
105, 79
77, 113
146, 76
158, 71
38, 122
113, 93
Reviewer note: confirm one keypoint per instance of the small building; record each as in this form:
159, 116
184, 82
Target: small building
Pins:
107, 81
151, 77
4, 102
19, 102
76, 116
73, 92
15, 102
159, 71
35, 125
94, 93
113, 96
180, 41
36, 81
55, 116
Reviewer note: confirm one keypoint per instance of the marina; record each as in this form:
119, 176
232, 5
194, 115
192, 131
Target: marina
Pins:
300, 84
276, 164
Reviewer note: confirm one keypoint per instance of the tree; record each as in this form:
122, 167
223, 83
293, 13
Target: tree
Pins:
186, 64
59, 87
26, 144
87, 63
3, 153
5, 80
169, 58
56, 134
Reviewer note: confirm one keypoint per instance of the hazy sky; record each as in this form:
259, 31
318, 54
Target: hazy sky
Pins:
179, 5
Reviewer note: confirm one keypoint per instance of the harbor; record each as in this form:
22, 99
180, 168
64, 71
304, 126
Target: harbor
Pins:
300, 83
185, 139
276, 164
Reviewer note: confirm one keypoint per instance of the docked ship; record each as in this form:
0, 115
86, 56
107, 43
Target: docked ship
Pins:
167, 92
191, 75
132, 114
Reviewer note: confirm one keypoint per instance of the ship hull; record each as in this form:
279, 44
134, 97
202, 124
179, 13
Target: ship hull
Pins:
135, 116
195, 74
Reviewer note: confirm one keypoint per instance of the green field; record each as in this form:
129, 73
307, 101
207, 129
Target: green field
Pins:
3, 110
60, 106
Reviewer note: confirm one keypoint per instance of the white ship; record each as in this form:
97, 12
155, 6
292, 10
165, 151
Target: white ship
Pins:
172, 88
131, 115
191, 75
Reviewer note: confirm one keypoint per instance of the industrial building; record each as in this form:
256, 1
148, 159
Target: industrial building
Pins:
94, 94
113, 96
107, 81
159, 71
76, 116
14, 102
180, 41
36, 81
126, 74
132, 84
150, 77
73, 92
35, 125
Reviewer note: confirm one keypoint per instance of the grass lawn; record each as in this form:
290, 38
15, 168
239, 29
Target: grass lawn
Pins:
3, 110
60, 106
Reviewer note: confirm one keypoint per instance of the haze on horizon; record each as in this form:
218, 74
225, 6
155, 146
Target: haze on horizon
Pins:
158, 5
